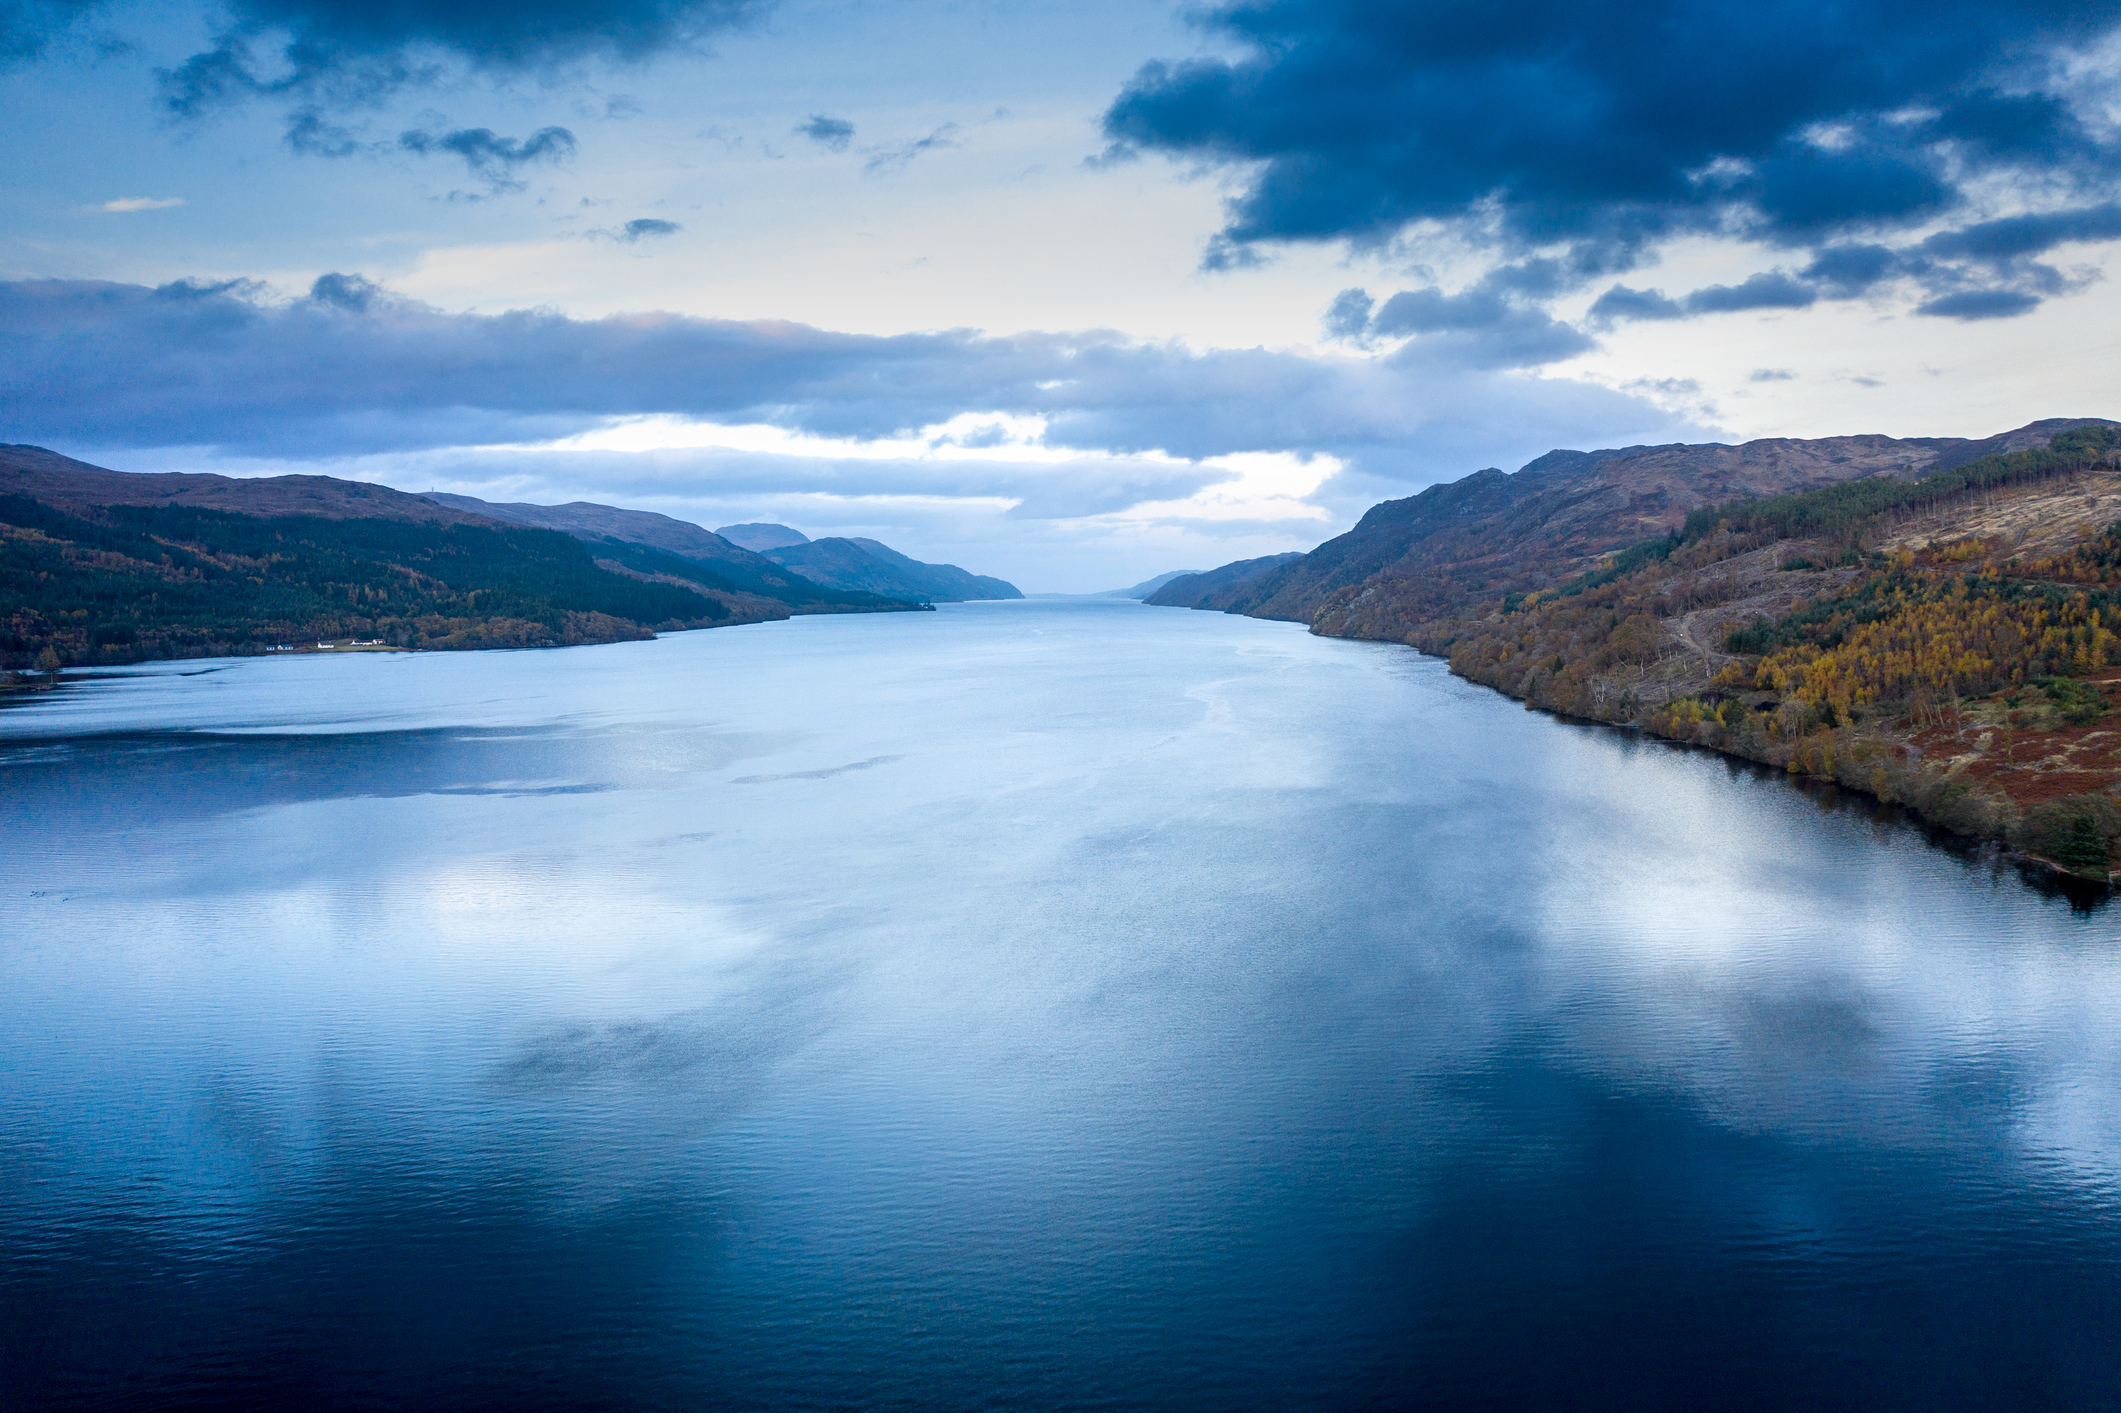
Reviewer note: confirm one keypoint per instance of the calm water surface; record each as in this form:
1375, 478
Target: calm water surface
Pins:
1022, 1005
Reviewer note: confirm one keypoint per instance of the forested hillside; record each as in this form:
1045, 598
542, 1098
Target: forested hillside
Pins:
170, 581
98, 566
1945, 641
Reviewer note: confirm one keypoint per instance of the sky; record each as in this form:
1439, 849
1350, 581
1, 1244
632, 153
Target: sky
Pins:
1073, 294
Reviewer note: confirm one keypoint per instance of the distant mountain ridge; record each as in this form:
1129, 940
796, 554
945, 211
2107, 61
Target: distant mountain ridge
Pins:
739, 568
877, 568
760, 536
1148, 586
1192, 590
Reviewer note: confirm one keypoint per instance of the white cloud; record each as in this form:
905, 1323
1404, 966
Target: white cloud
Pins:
141, 203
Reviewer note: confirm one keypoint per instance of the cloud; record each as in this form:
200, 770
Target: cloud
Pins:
1606, 128
1485, 326
337, 53
895, 159
1621, 302
1771, 375
1769, 290
1348, 316
350, 294
140, 203
1772, 290
1983, 270
637, 230
492, 158
833, 133
2016, 237
312, 135
351, 371
1975, 304
1846, 271
28, 27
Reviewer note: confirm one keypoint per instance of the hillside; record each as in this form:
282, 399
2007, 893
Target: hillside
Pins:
77, 488
1493, 533
775, 588
1148, 586
101, 566
1940, 640
1194, 590
868, 565
760, 536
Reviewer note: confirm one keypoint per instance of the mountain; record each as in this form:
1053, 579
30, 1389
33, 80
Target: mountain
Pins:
1192, 590
1497, 533
586, 520
621, 533
102, 566
862, 564
760, 536
1926, 621
1148, 586
774, 561
77, 487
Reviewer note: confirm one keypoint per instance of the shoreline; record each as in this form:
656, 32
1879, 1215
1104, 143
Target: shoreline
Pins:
2029, 863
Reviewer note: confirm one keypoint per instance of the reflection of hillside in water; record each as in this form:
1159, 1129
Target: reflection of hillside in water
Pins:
1171, 1008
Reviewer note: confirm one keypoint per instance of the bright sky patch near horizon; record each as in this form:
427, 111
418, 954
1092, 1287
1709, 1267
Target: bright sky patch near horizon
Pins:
1072, 295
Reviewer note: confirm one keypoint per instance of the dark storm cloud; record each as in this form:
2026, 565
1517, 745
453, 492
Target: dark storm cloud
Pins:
1607, 127
833, 133
350, 370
